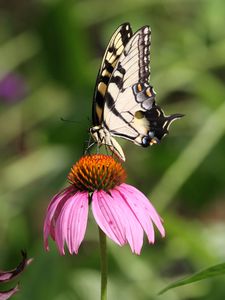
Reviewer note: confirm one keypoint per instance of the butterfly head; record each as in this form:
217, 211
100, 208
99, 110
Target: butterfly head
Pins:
159, 125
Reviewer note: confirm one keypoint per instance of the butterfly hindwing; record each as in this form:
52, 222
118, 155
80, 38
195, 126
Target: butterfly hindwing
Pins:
128, 93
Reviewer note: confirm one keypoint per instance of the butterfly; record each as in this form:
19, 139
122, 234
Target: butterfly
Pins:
124, 103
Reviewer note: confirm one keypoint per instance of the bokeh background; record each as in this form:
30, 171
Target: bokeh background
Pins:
50, 52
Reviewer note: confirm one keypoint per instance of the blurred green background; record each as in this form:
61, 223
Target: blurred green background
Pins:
50, 52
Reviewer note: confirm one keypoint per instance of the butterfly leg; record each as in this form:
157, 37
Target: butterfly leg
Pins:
90, 145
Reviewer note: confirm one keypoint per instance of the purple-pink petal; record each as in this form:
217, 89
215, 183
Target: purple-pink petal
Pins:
52, 212
78, 222
71, 222
7, 294
143, 209
116, 219
108, 216
133, 230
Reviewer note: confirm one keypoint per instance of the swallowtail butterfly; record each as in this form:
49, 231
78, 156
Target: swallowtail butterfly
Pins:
124, 102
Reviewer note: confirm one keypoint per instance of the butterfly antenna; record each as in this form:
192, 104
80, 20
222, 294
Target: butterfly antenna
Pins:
79, 123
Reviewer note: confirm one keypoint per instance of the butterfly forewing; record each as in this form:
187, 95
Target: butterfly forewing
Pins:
113, 52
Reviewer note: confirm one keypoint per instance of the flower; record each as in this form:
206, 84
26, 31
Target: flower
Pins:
6, 276
121, 211
12, 88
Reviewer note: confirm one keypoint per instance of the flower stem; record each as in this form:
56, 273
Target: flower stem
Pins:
104, 264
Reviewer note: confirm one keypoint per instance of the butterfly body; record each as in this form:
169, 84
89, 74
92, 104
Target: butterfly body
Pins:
103, 136
124, 102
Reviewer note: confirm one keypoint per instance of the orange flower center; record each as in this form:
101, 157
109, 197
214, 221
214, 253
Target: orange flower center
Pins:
96, 172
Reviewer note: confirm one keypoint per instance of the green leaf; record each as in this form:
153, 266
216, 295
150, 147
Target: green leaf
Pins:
206, 273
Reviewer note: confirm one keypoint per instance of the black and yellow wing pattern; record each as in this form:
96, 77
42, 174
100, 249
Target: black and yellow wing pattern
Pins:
124, 102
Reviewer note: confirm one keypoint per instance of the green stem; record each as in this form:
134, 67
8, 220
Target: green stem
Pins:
104, 264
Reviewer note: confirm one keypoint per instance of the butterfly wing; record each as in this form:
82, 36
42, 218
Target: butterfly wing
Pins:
112, 54
130, 110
